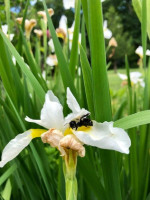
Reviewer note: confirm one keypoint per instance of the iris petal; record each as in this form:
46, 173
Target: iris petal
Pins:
15, 146
51, 113
105, 136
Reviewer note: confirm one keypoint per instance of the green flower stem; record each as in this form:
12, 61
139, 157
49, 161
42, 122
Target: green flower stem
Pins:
70, 163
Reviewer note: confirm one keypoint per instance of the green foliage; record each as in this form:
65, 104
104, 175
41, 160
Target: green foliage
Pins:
124, 39
101, 174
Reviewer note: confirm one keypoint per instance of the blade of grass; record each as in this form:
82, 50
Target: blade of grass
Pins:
144, 30
38, 89
87, 76
131, 121
65, 73
7, 174
7, 9
7, 190
75, 47
33, 65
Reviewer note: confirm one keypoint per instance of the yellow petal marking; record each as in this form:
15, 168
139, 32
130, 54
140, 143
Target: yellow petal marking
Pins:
60, 35
68, 131
84, 128
37, 132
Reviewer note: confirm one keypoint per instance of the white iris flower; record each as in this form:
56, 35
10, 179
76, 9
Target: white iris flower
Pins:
135, 78
139, 52
51, 60
69, 4
107, 32
60, 135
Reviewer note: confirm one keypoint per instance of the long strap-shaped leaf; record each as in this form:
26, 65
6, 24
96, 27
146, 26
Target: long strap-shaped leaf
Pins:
101, 95
37, 87
134, 120
65, 73
97, 45
87, 76
74, 49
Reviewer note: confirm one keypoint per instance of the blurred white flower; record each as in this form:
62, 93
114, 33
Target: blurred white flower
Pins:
139, 52
69, 4
63, 23
62, 29
52, 60
38, 32
51, 45
70, 32
134, 77
107, 32
62, 136
5, 31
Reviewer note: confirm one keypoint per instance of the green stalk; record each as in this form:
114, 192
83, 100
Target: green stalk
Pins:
7, 9
70, 175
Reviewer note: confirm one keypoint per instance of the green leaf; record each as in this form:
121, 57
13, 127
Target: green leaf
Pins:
137, 4
75, 47
7, 190
7, 173
137, 7
97, 45
137, 119
37, 87
87, 76
65, 73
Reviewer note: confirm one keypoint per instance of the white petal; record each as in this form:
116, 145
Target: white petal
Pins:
105, 136
51, 60
69, 4
5, 28
134, 76
15, 146
51, 44
11, 37
107, 33
142, 83
63, 23
148, 52
105, 24
51, 113
122, 76
72, 102
139, 51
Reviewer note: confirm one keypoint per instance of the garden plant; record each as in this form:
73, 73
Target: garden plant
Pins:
73, 125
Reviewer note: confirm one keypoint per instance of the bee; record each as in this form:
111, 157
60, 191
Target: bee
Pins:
84, 121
